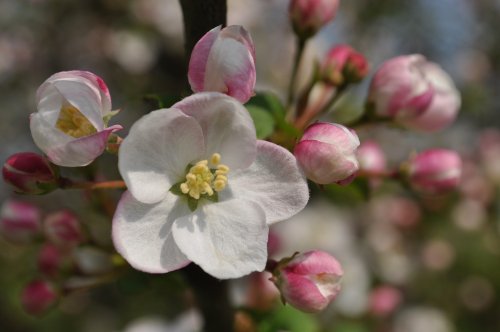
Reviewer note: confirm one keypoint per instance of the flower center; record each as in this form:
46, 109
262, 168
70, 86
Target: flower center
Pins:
203, 180
73, 123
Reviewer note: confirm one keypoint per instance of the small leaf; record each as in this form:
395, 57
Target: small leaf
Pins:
263, 120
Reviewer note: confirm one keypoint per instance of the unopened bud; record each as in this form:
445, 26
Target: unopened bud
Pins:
63, 229
308, 16
343, 65
309, 281
30, 173
435, 171
19, 221
51, 260
38, 297
326, 153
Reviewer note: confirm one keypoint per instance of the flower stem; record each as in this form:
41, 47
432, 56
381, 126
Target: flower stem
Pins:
301, 43
69, 184
212, 297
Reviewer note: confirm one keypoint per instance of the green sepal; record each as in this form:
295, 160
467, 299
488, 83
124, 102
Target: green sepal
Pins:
108, 117
176, 189
213, 198
192, 203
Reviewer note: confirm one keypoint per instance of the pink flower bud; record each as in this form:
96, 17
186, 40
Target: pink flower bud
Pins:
19, 221
343, 65
415, 92
371, 158
308, 16
384, 300
51, 260
309, 281
37, 297
435, 171
30, 173
63, 229
326, 153
223, 60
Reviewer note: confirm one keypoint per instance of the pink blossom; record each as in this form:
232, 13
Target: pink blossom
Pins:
343, 65
63, 229
309, 281
223, 60
435, 170
308, 16
19, 221
384, 300
37, 297
415, 92
30, 173
371, 158
326, 153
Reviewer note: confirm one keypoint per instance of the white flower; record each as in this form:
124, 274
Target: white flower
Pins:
202, 189
71, 123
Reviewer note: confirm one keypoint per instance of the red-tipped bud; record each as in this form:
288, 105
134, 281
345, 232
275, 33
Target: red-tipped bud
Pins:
63, 229
326, 153
371, 158
309, 281
343, 65
19, 221
308, 16
30, 173
38, 297
435, 171
384, 300
51, 260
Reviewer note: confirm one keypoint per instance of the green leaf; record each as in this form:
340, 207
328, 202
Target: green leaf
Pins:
287, 318
263, 120
192, 203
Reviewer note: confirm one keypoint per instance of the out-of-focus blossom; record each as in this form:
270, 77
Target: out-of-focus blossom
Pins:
189, 321
435, 171
30, 173
71, 123
398, 210
261, 294
419, 319
309, 281
476, 293
308, 16
51, 260
197, 175
273, 243
415, 92
469, 214
489, 147
371, 158
63, 229
19, 221
131, 50
475, 184
91, 260
38, 297
437, 254
327, 153
384, 300
223, 60
343, 65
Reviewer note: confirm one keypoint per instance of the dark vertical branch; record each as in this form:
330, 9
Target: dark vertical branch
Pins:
212, 298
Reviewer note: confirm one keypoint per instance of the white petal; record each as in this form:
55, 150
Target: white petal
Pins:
154, 155
227, 127
142, 233
274, 181
227, 239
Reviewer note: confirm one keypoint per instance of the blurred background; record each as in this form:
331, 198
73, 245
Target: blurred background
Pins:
412, 263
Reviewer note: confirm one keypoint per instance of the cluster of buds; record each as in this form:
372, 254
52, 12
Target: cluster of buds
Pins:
308, 281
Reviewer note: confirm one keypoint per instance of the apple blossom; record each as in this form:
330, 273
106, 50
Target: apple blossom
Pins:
223, 60
51, 260
308, 16
435, 170
343, 65
63, 229
30, 173
71, 123
384, 300
202, 188
415, 92
38, 296
309, 281
371, 158
327, 153
19, 221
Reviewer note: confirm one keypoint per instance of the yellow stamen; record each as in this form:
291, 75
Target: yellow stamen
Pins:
201, 180
73, 123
